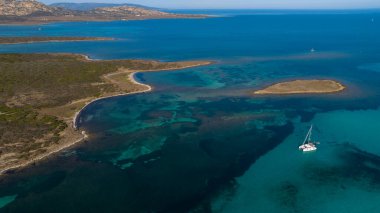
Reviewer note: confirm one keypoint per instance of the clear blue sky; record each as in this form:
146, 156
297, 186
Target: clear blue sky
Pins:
245, 4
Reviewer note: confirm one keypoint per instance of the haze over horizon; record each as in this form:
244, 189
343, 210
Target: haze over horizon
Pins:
242, 4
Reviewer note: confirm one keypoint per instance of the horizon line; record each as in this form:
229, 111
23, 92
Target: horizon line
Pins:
290, 9
222, 8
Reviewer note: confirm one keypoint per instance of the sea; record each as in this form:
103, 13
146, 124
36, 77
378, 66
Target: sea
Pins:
201, 141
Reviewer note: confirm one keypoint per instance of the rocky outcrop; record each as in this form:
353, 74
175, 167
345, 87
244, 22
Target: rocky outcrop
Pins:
23, 8
126, 11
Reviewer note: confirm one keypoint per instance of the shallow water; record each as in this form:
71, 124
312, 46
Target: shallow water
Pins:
337, 177
201, 141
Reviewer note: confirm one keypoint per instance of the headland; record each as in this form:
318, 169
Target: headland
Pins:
42, 95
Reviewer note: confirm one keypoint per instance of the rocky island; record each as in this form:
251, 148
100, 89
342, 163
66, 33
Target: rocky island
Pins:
302, 87
34, 12
41, 95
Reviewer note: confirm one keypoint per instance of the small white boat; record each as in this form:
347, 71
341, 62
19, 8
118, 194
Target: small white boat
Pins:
312, 50
308, 145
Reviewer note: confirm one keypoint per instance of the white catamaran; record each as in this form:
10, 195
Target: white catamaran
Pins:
308, 145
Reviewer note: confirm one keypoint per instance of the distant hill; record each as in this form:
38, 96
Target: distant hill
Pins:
91, 6
28, 7
32, 12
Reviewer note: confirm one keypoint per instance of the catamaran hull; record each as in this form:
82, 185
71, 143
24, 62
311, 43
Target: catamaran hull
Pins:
307, 148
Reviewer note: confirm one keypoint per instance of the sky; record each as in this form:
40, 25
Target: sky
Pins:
243, 4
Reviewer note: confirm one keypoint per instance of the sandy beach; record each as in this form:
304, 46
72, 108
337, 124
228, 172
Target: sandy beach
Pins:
145, 87
131, 78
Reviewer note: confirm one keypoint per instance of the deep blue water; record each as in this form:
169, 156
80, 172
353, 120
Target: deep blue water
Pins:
201, 141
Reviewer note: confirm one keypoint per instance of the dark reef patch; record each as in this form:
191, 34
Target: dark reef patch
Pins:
357, 167
287, 196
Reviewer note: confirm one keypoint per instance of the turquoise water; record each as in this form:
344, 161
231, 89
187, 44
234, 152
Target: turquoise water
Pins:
337, 177
7, 199
201, 142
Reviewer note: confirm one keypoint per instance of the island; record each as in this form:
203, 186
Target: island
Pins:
302, 87
22, 40
41, 96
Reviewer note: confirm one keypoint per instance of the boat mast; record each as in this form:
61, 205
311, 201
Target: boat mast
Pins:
311, 129
308, 136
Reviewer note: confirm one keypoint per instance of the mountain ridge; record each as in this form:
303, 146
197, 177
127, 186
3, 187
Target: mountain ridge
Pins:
24, 7
92, 5
34, 12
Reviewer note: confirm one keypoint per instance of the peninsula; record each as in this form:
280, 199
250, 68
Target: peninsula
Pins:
41, 95
302, 87
22, 40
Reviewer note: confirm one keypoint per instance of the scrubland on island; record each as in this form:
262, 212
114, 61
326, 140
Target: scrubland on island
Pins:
302, 87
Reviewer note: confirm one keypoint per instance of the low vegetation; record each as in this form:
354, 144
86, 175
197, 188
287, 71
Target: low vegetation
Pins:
39, 94
24, 130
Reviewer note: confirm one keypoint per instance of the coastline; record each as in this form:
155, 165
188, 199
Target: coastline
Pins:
71, 135
130, 78
75, 138
57, 40
42, 21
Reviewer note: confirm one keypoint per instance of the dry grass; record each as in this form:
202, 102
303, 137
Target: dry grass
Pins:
303, 87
